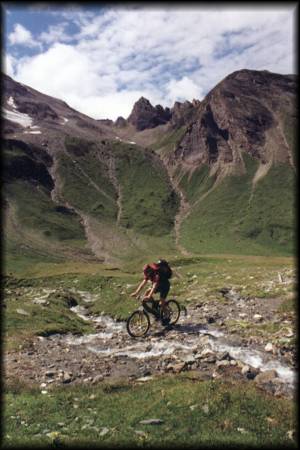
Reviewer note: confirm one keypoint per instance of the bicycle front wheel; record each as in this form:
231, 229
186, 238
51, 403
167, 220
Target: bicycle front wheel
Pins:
138, 324
173, 311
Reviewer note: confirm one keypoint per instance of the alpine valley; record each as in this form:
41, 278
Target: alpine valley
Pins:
208, 185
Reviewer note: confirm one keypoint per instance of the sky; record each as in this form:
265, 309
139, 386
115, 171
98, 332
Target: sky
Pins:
101, 58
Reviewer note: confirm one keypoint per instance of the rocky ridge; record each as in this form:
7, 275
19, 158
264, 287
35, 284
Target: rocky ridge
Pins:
244, 113
144, 115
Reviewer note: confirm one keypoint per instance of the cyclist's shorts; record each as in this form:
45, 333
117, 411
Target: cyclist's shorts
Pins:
163, 288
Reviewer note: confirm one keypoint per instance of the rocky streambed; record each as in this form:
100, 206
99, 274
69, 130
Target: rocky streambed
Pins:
200, 342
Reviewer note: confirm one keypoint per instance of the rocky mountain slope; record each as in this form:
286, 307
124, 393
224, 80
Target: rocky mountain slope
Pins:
222, 171
73, 188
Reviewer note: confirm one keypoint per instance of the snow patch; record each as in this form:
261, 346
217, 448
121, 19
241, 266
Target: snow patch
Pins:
126, 142
23, 119
32, 132
11, 102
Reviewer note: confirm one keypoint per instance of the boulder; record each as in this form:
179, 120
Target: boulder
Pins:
266, 377
269, 347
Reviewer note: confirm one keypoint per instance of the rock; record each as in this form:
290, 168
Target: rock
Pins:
67, 377
257, 318
252, 373
22, 312
266, 376
144, 115
205, 409
151, 422
210, 319
50, 373
211, 359
199, 305
40, 301
104, 431
97, 378
188, 358
242, 315
291, 434
223, 356
245, 369
144, 379
289, 333
269, 347
179, 367
206, 352
141, 433
223, 363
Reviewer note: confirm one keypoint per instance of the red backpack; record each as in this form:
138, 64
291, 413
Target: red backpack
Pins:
150, 270
162, 268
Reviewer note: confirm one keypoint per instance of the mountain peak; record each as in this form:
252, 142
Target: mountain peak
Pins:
145, 115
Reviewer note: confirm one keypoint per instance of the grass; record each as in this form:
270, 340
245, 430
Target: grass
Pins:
167, 143
148, 202
24, 319
197, 183
200, 278
41, 215
86, 184
109, 414
234, 219
233, 414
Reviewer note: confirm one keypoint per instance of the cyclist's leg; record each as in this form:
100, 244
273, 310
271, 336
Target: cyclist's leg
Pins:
164, 290
148, 302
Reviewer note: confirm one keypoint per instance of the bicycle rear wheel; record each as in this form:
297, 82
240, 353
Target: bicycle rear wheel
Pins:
173, 312
138, 324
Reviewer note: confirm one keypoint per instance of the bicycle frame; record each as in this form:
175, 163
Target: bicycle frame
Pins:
147, 307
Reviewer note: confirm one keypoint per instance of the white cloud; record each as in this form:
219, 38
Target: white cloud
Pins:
184, 89
55, 33
9, 63
21, 36
163, 53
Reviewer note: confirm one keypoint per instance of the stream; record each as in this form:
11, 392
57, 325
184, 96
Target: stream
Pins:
188, 341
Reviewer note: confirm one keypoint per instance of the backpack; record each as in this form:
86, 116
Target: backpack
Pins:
164, 269
150, 270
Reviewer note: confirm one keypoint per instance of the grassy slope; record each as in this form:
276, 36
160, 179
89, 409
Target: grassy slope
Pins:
168, 142
230, 219
41, 320
86, 185
148, 202
35, 228
221, 414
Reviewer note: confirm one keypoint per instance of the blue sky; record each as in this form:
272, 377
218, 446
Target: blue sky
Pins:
101, 59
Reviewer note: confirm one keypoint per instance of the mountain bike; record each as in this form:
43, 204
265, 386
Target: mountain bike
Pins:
138, 323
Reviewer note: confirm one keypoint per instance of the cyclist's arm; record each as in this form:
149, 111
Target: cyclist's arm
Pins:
154, 286
142, 284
